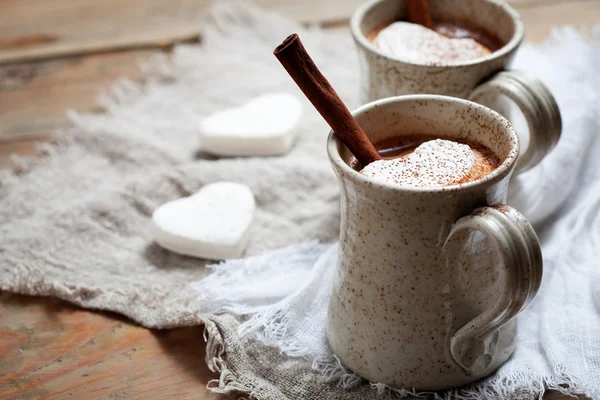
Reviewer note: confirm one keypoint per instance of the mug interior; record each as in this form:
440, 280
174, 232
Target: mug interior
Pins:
442, 116
492, 16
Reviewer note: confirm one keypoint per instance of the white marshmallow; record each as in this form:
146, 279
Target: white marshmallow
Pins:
265, 126
212, 223
413, 42
433, 164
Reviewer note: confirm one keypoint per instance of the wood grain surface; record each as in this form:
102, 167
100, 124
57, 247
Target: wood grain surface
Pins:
48, 348
38, 29
42, 29
35, 96
53, 350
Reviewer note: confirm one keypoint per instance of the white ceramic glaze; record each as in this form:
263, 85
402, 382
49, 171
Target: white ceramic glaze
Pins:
430, 279
480, 80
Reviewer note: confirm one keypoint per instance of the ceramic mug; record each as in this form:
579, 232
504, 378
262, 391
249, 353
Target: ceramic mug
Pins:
482, 80
429, 280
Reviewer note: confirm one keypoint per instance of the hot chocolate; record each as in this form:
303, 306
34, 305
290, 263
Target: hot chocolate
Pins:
446, 43
429, 161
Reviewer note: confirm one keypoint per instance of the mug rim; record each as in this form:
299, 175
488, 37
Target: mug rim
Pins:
510, 46
496, 175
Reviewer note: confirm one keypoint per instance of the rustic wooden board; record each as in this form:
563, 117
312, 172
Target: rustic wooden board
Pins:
42, 29
38, 29
540, 17
23, 147
35, 96
50, 349
540, 20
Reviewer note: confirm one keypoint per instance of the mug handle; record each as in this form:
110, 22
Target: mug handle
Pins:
538, 106
474, 345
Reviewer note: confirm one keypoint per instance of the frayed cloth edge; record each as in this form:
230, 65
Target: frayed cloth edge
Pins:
216, 360
228, 383
332, 370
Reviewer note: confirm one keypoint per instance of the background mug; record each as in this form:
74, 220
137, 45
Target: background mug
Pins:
429, 280
482, 80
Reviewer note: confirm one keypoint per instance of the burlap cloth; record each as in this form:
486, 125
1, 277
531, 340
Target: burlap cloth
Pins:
74, 224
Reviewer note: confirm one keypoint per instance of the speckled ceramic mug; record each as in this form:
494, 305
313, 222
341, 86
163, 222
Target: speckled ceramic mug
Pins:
429, 280
482, 80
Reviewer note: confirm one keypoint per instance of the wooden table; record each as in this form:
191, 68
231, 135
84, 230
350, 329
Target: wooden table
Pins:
59, 54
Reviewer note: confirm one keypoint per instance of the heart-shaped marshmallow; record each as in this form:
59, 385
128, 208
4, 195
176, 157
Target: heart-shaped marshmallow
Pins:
434, 163
265, 126
212, 223
415, 43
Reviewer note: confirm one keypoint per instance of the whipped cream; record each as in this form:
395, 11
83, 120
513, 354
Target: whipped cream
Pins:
434, 163
415, 43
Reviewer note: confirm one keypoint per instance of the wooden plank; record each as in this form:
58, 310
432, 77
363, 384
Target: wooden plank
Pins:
540, 20
314, 11
35, 96
40, 29
334, 12
23, 147
540, 16
50, 349
555, 395
91, 26
521, 4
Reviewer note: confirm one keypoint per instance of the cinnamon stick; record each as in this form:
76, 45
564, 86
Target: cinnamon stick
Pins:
418, 13
296, 61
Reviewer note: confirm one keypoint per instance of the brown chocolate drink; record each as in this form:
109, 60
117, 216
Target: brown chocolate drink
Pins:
482, 163
460, 31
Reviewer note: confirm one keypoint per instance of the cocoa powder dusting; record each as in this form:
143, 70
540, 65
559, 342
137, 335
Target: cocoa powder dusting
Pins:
461, 167
413, 42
